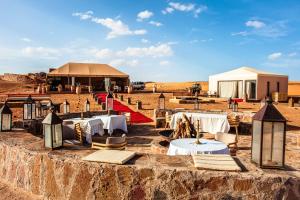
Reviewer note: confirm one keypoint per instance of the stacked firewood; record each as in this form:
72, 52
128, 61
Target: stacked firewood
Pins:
184, 128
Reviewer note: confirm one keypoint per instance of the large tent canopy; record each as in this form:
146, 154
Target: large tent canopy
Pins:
87, 70
247, 82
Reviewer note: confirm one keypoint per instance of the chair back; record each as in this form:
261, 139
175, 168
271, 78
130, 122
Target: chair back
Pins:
78, 133
233, 121
225, 138
128, 117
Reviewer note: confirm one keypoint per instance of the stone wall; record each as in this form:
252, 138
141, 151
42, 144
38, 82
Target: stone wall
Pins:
17, 78
55, 175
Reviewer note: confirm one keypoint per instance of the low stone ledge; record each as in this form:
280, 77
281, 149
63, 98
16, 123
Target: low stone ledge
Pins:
61, 174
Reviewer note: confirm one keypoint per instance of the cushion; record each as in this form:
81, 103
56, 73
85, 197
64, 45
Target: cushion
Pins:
110, 156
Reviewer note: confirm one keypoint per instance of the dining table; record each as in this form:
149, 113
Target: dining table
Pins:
208, 122
90, 126
188, 146
113, 122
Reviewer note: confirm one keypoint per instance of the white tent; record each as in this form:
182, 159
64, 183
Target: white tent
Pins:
247, 82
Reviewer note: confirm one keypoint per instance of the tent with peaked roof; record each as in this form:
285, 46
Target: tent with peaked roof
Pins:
247, 82
89, 74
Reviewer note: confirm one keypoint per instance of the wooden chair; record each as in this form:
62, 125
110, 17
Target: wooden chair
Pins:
230, 140
168, 120
128, 117
78, 136
78, 133
112, 143
234, 122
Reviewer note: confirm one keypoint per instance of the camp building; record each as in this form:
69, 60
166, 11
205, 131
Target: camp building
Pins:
247, 82
99, 76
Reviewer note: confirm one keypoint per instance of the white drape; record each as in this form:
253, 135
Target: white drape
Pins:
228, 89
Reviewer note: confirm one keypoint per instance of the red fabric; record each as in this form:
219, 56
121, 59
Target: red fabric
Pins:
237, 100
136, 117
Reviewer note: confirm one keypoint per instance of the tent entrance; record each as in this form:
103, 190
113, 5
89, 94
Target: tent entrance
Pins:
251, 89
233, 89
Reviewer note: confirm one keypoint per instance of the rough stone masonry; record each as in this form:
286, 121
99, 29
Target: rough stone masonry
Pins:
61, 174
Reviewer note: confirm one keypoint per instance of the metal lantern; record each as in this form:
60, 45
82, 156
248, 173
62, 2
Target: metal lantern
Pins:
235, 106
87, 106
268, 137
38, 109
53, 131
66, 107
229, 103
161, 101
29, 109
5, 118
197, 104
109, 101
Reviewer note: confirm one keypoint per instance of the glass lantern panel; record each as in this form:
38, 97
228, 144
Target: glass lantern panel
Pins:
256, 141
37, 112
110, 104
33, 111
161, 103
87, 107
29, 116
68, 108
6, 122
57, 135
25, 112
278, 137
267, 143
47, 135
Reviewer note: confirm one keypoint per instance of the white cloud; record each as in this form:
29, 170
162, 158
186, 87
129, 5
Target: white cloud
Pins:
271, 30
242, 33
26, 40
144, 41
123, 62
161, 50
164, 63
194, 41
199, 10
274, 56
146, 14
292, 54
155, 23
84, 16
44, 52
102, 53
188, 7
117, 27
182, 7
167, 10
255, 24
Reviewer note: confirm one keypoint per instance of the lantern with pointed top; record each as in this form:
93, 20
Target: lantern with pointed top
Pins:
53, 131
38, 110
109, 101
5, 118
29, 110
87, 106
235, 106
161, 101
268, 137
197, 104
66, 107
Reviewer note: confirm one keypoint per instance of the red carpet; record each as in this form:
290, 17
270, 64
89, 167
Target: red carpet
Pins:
136, 117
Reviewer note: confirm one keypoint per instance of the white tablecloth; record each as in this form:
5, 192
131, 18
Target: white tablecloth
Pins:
187, 146
211, 123
112, 122
90, 127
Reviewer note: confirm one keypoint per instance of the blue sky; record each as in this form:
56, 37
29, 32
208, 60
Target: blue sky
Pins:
152, 40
